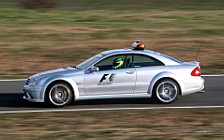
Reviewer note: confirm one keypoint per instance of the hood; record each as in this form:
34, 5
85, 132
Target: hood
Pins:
60, 71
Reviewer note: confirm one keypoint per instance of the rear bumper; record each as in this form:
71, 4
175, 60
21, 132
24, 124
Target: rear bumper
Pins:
196, 86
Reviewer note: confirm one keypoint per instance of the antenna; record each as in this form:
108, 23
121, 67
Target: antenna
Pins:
199, 49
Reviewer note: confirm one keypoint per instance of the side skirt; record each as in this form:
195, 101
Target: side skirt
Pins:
115, 96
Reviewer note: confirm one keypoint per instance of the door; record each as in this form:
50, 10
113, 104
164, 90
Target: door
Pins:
114, 77
146, 68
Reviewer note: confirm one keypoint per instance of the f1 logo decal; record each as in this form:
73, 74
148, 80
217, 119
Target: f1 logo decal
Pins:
106, 79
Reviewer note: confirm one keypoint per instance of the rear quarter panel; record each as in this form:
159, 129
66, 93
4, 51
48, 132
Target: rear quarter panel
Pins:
148, 76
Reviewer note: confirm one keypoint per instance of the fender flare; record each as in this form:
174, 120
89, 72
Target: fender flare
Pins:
67, 80
162, 75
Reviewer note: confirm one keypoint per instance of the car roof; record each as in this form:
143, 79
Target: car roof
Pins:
167, 60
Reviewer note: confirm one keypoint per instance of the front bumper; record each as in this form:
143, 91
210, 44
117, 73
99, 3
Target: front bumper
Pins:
32, 94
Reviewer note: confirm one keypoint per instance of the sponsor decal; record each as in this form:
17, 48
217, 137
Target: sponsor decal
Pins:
107, 79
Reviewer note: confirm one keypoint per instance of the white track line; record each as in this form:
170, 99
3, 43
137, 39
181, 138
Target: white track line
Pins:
107, 109
13, 80
213, 75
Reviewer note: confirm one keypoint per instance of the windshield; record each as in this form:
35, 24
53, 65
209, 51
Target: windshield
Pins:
89, 62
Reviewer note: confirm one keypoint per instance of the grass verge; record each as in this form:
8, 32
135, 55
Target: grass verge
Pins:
172, 124
32, 41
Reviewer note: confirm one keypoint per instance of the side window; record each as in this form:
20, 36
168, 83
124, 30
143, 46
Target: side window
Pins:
113, 62
128, 61
145, 61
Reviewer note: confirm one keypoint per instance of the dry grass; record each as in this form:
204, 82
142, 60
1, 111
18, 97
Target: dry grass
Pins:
184, 124
34, 41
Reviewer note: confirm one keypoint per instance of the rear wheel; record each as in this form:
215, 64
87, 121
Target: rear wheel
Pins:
166, 91
60, 94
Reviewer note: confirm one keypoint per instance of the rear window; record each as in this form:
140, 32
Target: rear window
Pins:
145, 61
169, 57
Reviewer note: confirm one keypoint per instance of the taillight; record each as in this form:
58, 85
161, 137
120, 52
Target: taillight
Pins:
196, 72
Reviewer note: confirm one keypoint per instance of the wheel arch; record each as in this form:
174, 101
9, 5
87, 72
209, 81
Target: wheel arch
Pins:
162, 76
72, 85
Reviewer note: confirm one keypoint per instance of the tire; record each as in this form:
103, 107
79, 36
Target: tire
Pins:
59, 94
165, 91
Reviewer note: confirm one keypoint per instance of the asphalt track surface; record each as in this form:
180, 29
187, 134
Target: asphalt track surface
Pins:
11, 99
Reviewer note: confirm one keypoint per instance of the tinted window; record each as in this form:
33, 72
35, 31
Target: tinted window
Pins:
114, 62
171, 58
145, 61
128, 61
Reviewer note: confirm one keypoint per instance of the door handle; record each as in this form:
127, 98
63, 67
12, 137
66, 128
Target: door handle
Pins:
130, 72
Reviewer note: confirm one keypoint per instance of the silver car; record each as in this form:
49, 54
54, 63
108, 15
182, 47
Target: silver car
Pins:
118, 73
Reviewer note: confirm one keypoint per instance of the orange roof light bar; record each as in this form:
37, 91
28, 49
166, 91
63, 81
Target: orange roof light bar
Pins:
138, 45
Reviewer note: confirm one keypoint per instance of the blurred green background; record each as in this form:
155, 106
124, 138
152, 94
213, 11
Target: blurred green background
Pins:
38, 35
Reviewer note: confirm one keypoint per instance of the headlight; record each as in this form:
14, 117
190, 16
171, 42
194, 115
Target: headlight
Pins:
34, 82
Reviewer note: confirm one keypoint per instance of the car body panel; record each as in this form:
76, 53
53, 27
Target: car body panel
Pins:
127, 82
110, 82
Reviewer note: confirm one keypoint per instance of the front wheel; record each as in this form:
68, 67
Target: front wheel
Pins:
166, 91
60, 94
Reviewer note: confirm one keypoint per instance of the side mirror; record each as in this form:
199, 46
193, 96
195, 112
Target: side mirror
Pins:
94, 69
